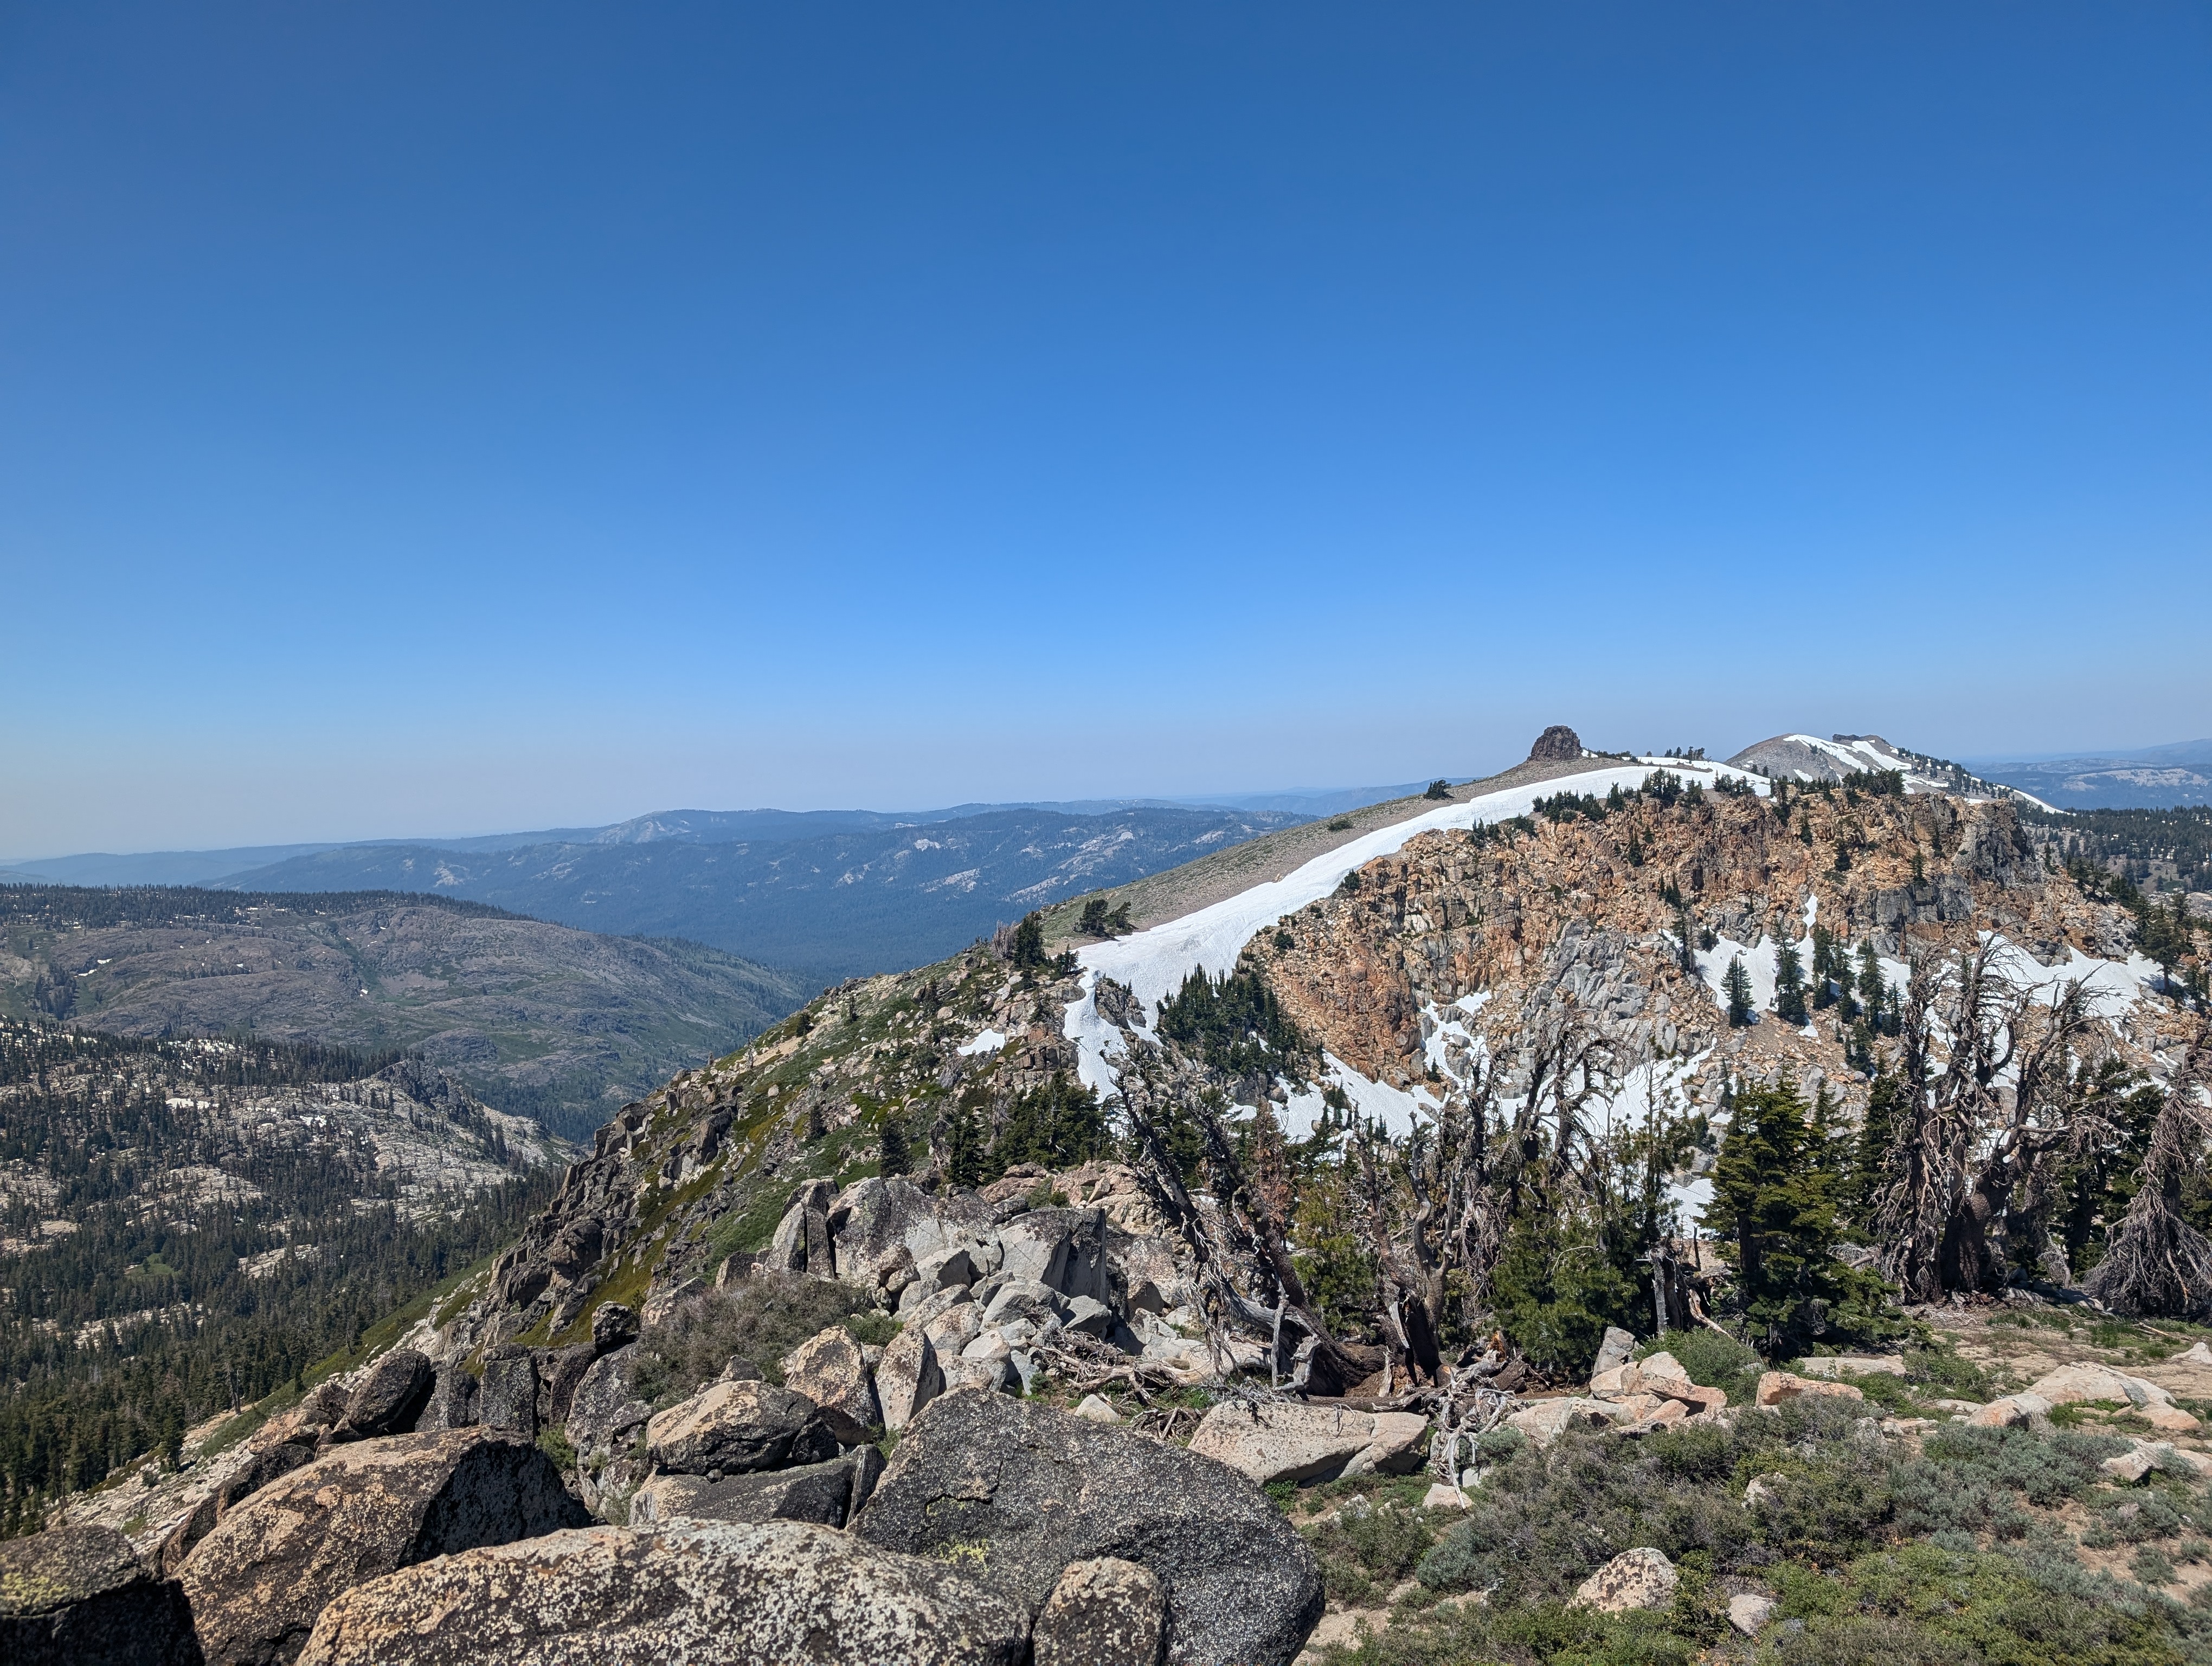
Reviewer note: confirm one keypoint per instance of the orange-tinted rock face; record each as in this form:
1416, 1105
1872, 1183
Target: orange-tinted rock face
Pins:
1575, 916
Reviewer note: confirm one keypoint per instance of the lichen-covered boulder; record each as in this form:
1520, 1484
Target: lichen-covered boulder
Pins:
1021, 1491
829, 1369
1640, 1578
606, 1411
732, 1426
1064, 1250
706, 1594
1269, 1441
907, 1376
829, 1493
390, 1398
1105, 1612
78, 1596
258, 1581
507, 1398
559, 1371
452, 1403
262, 1465
614, 1325
1777, 1386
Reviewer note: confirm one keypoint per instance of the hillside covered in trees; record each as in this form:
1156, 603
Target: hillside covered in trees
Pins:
540, 1019
188, 1224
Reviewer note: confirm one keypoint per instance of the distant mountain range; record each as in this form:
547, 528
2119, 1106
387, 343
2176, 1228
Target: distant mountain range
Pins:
834, 895
200, 867
2154, 778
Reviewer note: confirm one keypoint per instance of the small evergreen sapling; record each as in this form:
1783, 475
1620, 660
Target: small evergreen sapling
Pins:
1736, 986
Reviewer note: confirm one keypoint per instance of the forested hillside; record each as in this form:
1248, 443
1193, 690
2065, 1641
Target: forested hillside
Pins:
541, 1020
187, 1225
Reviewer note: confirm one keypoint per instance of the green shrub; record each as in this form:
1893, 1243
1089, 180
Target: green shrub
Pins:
1711, 1360
1364, 1554
2033, 1606
1948, 1371
1543, 1521
760, 1319
872, 1329
2152, 1567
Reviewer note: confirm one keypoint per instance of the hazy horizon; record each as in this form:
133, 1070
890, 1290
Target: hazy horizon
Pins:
516, 416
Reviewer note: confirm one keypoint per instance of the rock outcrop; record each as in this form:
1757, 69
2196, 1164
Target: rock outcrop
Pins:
1557, 745
1027, 1492
257, 1583
79, 1596
828, 1493
704, 1594
729, 1426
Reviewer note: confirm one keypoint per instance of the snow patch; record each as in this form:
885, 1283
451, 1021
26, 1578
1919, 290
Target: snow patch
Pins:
1154, 962
989, 1042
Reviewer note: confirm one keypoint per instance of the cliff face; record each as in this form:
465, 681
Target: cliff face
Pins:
1578, 912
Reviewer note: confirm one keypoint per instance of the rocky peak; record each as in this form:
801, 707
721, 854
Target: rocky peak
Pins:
1557, 745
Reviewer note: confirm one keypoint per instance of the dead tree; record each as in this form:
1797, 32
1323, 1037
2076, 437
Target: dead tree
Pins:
1241, 1248
1964, 1144
2157, 1264
1915, 1199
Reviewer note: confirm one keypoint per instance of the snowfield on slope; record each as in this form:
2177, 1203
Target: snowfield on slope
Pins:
1155, 961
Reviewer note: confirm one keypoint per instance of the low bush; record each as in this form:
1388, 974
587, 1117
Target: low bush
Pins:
1947, 1372
1711, 1360
2034, 1607
760, 1319
1544, 1521
1363, 1552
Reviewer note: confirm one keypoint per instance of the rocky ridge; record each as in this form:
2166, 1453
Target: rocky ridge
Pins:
973, 1308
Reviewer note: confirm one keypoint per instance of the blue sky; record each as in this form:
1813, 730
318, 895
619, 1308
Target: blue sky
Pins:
443, 419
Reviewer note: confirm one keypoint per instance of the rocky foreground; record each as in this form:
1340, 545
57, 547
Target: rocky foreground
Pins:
540, 1508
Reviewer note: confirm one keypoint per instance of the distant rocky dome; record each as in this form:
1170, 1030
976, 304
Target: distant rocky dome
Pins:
1808, 758
1557, 745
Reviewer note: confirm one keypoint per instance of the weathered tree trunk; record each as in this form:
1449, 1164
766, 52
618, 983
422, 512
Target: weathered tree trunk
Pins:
2156, 1263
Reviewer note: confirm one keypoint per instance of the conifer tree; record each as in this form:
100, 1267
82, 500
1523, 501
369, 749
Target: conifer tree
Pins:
1029, 942
1775, 1191
1789, 989
897, 1150
1873, 988
1736, 985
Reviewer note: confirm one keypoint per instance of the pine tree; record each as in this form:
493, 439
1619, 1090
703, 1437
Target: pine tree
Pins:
1775, 1190
1828, 970
1736, 985
963, 1150
1873, 988
1029, 942
1789, 989
897, 1149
